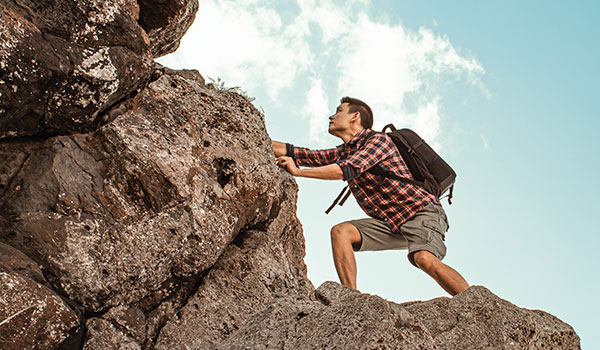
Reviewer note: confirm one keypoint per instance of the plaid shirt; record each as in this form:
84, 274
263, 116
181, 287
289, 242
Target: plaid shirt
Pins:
380, 197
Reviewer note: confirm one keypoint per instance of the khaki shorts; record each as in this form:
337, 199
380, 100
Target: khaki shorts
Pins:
424, 231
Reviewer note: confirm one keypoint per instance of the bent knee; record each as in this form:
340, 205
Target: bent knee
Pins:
425, 260
345, 231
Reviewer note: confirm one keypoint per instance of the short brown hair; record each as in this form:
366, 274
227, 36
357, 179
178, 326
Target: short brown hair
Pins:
356, 105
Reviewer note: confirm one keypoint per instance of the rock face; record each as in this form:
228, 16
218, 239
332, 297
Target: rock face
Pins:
141, 208
32, 315
129, 220
65, 62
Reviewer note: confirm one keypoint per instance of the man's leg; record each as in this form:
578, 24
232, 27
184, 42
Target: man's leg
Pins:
343, 237
444, 275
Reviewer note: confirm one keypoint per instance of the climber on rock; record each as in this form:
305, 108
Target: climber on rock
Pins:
401, 215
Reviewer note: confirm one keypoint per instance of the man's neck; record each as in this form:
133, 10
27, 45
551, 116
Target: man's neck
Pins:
349, 134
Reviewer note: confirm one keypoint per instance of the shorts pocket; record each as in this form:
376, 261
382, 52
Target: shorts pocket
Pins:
434, 226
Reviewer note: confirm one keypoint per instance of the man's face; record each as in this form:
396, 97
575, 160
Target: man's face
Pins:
340, 121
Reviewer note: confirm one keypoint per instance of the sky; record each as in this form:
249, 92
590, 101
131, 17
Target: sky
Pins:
506, 91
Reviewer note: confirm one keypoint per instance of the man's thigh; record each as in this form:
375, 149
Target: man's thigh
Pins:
426, 231
376, 235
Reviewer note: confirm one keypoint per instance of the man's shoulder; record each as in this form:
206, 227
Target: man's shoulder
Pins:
378, 138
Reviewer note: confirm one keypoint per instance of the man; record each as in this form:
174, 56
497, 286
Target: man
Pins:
402, 216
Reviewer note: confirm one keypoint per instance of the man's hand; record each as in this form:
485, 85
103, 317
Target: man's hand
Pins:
288, 164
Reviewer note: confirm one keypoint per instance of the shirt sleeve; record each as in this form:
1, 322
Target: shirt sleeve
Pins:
314, 158
376, 148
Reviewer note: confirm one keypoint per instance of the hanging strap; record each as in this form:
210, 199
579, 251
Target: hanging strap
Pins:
449, 195
338, 199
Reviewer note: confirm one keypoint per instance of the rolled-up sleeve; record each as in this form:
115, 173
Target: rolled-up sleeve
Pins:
376, 148
313, 158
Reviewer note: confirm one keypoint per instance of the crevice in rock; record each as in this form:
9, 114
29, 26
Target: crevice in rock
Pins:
225, 169
112, 112
156, 14
322, 299
11, 181
187, 288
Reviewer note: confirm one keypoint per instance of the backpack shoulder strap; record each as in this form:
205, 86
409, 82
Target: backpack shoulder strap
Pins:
378, 170
338, 199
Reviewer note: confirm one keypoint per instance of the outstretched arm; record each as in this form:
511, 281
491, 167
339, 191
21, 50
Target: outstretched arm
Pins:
326, 172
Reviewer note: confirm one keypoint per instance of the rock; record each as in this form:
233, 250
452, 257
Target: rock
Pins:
102, 335
166, 22
345, 319
254, 272
133, 212
32, 316
478, 319
20, 263
64, 62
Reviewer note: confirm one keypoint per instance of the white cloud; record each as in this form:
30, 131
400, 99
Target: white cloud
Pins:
243, 43
318, 109
400, 73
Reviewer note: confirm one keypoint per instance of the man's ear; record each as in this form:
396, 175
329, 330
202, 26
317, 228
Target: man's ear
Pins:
355, 115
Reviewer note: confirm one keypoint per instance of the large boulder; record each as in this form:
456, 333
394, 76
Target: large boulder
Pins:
63, 63
252, 274
32, 316
121, 215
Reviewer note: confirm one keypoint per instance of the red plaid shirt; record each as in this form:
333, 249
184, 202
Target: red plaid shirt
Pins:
380, 197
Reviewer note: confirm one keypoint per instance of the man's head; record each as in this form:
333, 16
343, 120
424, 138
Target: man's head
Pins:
351, 115
356, 105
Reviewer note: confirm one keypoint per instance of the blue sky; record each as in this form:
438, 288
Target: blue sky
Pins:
506, 91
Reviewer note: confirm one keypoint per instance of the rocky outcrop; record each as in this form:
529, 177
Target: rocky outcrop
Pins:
157, 194
141, 208
342, 318
128, 220
65, 62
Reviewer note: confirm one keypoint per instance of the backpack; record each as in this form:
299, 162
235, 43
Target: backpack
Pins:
429, 170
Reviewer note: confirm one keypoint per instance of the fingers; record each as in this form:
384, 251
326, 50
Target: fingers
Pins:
282, 161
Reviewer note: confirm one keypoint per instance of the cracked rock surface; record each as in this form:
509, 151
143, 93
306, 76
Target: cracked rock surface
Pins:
342, 318
63, 63
129, 220
32, 315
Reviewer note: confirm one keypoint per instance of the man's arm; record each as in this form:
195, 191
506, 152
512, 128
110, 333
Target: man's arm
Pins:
307, 157
279, 148
326, 172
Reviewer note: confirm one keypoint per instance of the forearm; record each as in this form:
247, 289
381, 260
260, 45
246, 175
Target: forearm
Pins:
279, 148
327, 172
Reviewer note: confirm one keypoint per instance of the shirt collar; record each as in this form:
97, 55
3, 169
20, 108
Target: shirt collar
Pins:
358, 136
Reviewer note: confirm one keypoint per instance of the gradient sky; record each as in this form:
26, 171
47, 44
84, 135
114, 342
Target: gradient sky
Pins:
506, 91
